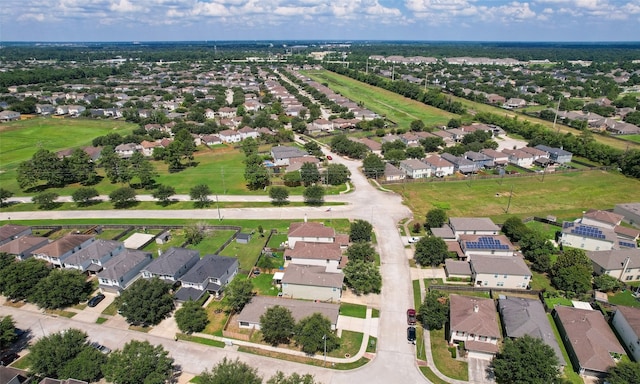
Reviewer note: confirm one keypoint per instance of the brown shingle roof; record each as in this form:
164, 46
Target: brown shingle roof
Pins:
311, 275
21, 244
465, 318
310, 229
632, 315
8, 230
320, 251
590, 337
604, 216
62, 245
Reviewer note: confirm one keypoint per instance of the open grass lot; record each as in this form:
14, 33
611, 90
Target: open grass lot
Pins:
19, 140
633, 138
563, 195
353, 310
263, 283
548, 230
396, 108
442, 358
624, 298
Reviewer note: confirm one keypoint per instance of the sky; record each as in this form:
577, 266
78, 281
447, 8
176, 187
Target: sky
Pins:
428, 20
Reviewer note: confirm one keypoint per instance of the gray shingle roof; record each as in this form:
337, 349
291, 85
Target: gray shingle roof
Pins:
502, 265
472, 224
522, 316
171, 261
299, 309
311, 275
614, 259
465, 318
122, 263
94, 251
210, 266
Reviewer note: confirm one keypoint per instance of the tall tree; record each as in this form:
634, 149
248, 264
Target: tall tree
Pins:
51, 353
61, 288
84, 195
294, 378
238, 293
312, 332
436, 218
80, 168
361, 251
18, 280
191, 317
434, 310
313, 195
45, 200
624, 372
572, 271
200, 193
309, 174
277, 325
431, 251
257, 176
525, 360
146, 301
163, 194
138, 362
373, 166
123, 197
337, 174
249, 146
142, 169
86, 365
360, 230
279, 195
231, 372
5, 195
362, 277
7, 331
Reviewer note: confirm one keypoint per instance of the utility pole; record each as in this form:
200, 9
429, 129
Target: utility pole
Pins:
324, 337
218, 206
510, 196
556, 117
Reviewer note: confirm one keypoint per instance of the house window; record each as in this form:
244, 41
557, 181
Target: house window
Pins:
244, 323
628, 278
505, 276
500, 284
628, 270
495, 276
526, 277
638, 277
459, 333
486, 283
482, 338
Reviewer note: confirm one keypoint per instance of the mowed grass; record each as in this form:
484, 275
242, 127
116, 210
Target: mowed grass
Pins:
394, 107
563, 195
19, 140
634, 138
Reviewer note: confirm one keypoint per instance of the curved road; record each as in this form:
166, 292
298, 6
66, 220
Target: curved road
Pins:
395, 358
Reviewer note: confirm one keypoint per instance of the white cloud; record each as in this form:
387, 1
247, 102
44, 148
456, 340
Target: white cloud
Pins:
125, 6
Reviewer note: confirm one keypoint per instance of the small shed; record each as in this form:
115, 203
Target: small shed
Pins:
163, 237
243, 238
277, 277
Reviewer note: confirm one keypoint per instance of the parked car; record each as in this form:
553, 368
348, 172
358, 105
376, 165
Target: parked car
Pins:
329, 157
95, 300
413, 240
411, 316
8, 358
411, 334
100, 347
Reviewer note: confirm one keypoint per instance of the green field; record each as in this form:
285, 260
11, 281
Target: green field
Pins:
394, 107
563, 195
19, 140
634, 138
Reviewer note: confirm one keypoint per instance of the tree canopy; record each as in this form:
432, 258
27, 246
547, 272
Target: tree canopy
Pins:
436, 218
572, 271
624, 372
231, 372
362, 277
434, 310
277, 325
313, 195
238, 293
7, 331
61, 288
311, 333
146, 301
361, 251
279, 195
123, 197
373, 166
19, 280
200, 194
191, 317
360, 230
525, 360
138, 362
431, 251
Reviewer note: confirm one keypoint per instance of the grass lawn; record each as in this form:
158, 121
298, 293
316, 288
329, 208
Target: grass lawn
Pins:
350, 343
263, 284
302, 359
213, 241
548, 230
442, 358
563, 195
217, 317
551, 302
428, 373
373, 342
633, 138
394, 107
540, 281
624, 298
101, 320
375, 313
417, 295
201, 340
569, 373
247, 254
19, 140
353, 310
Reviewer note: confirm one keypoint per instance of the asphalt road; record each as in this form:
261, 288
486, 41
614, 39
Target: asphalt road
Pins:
395, 360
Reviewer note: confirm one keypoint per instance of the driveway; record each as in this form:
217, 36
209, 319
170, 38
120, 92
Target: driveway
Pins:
478, 371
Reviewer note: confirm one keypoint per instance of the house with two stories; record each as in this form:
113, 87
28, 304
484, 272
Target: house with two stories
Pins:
588, 237
92, 257
500, 272
473, 226
496, 245
122, 270
230, 136
460, 164
312, 282
10, 232
439, 166
327, 255
591, 344
311, 232
415, 168
282, 154
249, 317
498, 158
556, 155
59, 250
623, 264
171, 264
519, 157
210, 274
23, 246
474, 321
626, 322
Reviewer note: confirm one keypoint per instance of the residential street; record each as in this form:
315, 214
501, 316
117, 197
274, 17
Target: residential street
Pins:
395, 359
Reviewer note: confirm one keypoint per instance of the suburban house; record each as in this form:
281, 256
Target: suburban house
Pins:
123, 269
282, 154
600, 218
473, 226
310, 232
457, 269
10, 232
10, 375
623, 264
149, 146
295, 163
311, 282
498, 158
515, 102
249, 317
171, 264
497, 245
210, 274
535, 152
248, 132
588, 237
519, 157
227, 112
45, 109
391, 173
556, 155
126, 150
327, 255
22, 247
591, 344
460, 164
474, 321
439, 166
415, 168
93, 257
9, 116
230, 136
522, 317
211, 140
321, 125
57, 251
480, 159
626, 321
500, 272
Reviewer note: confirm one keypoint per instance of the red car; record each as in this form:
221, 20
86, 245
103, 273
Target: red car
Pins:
329, 157
411, 316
